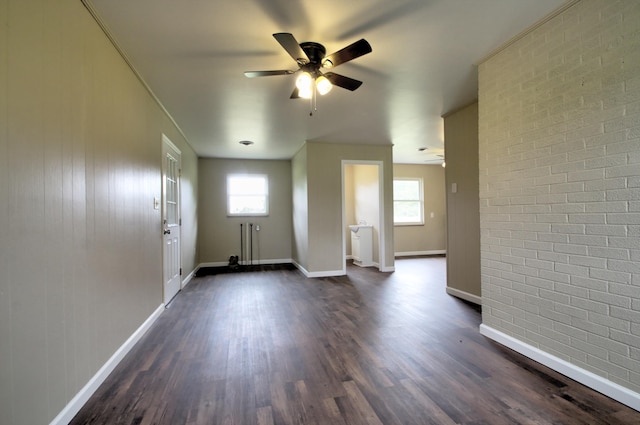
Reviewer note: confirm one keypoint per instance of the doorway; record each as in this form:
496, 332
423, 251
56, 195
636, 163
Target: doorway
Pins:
362, 204
171, 260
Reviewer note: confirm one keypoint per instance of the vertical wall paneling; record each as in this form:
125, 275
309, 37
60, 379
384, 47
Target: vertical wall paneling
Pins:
80, 152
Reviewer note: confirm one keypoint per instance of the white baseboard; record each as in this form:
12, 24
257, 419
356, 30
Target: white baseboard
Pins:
187, 279
76, 403
464, 295
591, 380
420, 253
327, 273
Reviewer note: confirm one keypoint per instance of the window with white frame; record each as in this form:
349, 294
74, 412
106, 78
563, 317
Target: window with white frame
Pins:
408, 204
247, 195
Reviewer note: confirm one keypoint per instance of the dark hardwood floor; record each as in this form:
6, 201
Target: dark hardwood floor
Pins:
273, 347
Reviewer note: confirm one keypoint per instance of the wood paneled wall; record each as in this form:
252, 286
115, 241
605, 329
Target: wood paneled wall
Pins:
80, 155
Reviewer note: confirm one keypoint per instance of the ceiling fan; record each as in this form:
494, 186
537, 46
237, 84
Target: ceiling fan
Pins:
311, 59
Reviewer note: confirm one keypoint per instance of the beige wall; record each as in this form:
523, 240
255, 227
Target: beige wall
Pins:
219, 235
80, 158
323, 203
463, 215
429, 238
559, 190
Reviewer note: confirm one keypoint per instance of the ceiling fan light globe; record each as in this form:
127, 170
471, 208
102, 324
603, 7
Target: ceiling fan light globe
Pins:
323, 85
305, 93
304, 82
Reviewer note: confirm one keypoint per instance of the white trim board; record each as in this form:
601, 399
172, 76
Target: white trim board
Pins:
73, 407
464, 295
591, 380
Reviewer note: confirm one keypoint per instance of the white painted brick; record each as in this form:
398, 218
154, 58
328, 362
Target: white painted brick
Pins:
625, 338
539, 264
572, 270
606, 162
610, 299
567, 208
623, 195
626, 314
605, 207
624, 362
623, 266
587, 218
524, 288
568, 228
609, 253
589, 283
590, 240
626, 218
591, 349
625, 290
618, 183
607, 343
555, 276
623, 171
610, 275
606, 230
586, 197
557, 316
571, 249
567, 187
586, 261
590, 305
589, 326
559, 174
609, 367
582, 175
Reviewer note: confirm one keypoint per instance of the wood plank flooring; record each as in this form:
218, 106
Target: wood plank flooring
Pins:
274, 347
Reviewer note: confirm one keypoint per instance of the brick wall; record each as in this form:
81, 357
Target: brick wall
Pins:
559, 130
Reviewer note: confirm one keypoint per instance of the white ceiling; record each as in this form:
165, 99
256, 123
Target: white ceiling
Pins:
192, 54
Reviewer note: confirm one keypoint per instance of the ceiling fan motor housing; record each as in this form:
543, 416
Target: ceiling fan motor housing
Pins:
315, 51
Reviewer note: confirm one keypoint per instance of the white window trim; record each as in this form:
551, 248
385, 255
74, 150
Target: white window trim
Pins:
266, 195
421, 195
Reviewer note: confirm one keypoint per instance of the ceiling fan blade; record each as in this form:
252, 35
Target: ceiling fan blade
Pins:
352, 51
291, 45
253, 74
295, 94
342, 81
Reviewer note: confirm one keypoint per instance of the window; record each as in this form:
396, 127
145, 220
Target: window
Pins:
247, 194
407, 202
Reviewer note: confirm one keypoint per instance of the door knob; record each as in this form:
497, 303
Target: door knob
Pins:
167, 231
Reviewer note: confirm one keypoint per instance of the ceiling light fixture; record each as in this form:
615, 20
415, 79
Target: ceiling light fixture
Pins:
304, 84
323, 84
246, 142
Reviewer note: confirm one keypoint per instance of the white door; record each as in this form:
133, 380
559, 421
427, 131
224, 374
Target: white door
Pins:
171, 219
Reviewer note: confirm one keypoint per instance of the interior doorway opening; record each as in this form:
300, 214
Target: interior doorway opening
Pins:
363, 213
